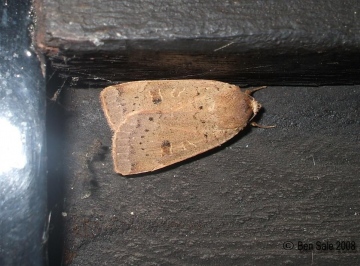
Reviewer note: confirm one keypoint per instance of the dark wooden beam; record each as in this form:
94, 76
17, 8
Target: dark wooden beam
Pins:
247, 42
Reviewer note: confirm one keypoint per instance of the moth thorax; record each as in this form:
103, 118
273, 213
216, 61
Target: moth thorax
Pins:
235, 112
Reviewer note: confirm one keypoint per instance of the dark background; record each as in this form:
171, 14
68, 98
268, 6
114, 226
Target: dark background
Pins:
239, 203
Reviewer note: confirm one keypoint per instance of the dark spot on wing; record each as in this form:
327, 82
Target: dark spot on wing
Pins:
156, 97
166, 147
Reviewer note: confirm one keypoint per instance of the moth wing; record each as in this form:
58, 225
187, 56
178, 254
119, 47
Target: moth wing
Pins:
120, 101
148, 141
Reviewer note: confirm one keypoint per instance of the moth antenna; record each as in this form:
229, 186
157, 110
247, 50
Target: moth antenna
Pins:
249, 92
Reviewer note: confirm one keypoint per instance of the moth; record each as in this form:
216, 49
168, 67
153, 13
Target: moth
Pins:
157, 123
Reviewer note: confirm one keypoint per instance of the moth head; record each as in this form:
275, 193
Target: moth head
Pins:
235, 110
255, 106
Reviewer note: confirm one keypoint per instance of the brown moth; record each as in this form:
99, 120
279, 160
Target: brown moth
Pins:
157, 123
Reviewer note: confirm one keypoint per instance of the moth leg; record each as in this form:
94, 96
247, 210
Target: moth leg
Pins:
254, 124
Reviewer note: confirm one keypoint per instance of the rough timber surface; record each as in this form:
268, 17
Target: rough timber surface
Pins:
235, 205
277, 42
